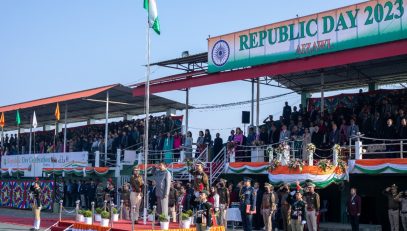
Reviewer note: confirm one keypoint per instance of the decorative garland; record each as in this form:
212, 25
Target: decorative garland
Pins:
295, 164
275, 163
324, 164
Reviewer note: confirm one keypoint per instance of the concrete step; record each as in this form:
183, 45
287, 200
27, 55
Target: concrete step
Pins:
346, 227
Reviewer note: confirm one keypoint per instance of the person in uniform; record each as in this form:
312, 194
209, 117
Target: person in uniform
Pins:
136, 195
204, 212
403, 213
268, 206
247, 204
224, 201
284, 196
313, 204
35, 194
125, 196
297, 212
201, 180
393, 206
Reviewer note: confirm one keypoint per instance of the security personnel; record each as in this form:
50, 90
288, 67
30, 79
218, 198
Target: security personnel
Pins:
224, 201
204, 212
35, 193
247, 204
297, 212
201, 180
268, 206
393, 206
136, 195
313, 204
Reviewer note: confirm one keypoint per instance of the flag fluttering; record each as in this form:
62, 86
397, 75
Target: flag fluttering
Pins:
2, 120
57, 113
18, 119
35, 124
151, 7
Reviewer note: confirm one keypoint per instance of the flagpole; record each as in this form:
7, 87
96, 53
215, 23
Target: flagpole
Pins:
147, 120
55, 136
31, 129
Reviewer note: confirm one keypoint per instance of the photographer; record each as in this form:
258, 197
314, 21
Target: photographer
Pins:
35, 193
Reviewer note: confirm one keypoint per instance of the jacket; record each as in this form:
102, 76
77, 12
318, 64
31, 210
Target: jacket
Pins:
354, 205
163, 180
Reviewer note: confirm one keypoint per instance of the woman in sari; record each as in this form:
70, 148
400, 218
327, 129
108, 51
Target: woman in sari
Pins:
168, 146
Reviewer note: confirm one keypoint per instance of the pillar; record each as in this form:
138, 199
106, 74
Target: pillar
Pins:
304, 97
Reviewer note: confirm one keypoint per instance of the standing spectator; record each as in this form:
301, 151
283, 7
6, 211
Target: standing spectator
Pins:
389, 131
274, 136
286, 113
152, 198
232, 136
393, 206
188, 146
163, 179
353, 129
177, 146
306, 139
284, 134
317, 137
353, 209
207, 138
251, 136
403, 129
334, 135
200, 146
376, 125
168, 148
258, 218
217, 145
343, 132
91, 193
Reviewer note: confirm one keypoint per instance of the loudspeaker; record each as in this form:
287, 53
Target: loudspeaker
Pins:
245, 117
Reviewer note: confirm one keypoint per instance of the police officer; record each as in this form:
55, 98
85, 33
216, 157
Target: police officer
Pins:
35, 193
393, 206
313, 204
201, 180
247, 204
297, 212
268, 205
136, 195
204, 212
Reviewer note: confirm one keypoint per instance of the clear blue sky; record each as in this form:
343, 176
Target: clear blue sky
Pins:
50, 47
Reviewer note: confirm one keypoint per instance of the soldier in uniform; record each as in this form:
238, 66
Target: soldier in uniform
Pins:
268, 205
224, 201
247, 204
136, 195
125, 196
393, 206
201, 180
35, 193
204, 212
284, 196
297, 212
313, 204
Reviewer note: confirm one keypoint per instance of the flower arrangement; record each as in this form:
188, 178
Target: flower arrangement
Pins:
295, 164
324, 164
105, 215
342, 165
87, 213
311, 147
337, 148
99, 210
274, 164
281, 148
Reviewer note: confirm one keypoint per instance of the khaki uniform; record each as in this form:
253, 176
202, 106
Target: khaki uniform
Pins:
224, 199
313, 204
268, 206
200, 178
136, 195
285, 211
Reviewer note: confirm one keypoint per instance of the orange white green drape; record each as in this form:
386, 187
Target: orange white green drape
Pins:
77, 171
378, 166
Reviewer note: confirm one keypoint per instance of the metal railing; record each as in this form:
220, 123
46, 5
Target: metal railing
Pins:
364, 147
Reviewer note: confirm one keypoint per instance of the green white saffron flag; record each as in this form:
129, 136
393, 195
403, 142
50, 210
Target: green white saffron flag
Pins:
151, 7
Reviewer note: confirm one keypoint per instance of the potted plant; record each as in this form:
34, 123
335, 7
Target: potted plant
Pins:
115, 214
190, 214
80, 217
150, 216
105, 219
97, 214
185, 221
88, 217
164, 221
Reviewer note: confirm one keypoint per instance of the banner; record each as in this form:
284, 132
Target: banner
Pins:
364, 24
15, 194
49, 160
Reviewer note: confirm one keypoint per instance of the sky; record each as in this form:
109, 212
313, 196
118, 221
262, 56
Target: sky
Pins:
50, 47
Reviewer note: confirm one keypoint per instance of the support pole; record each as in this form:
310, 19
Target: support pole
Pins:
106, 122
31, 130
258, 105
187, 111
252, 106
322, 94
66, 117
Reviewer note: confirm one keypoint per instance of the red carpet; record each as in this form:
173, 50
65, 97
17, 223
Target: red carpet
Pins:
45, 223
124, 225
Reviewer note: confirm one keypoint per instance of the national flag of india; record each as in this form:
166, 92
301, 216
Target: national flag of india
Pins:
151, 7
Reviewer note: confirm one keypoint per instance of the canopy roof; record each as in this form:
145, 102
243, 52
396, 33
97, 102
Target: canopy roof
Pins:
84, 105
381, 64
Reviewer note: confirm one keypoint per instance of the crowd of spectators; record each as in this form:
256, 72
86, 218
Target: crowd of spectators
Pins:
379, 114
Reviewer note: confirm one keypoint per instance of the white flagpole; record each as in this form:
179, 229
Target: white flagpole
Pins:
147, 119
31, 130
